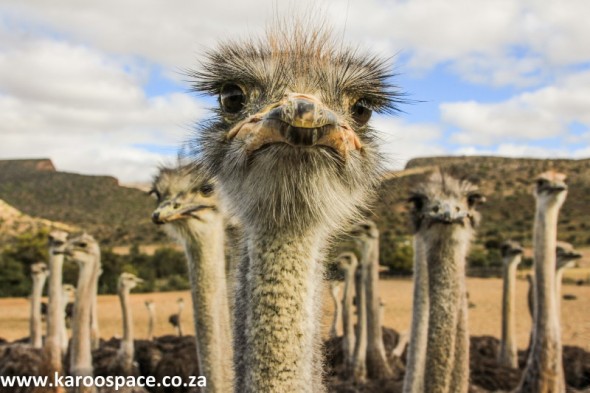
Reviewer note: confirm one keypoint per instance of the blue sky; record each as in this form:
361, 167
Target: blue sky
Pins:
97, 88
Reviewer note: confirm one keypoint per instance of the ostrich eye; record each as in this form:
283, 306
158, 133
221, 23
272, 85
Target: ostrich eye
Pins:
541, 183
417, 201
82, 244
156, 194
57, 243
232, 98
207, 189
474, 199
360, 113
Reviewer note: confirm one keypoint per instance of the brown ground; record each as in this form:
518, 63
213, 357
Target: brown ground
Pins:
484, 318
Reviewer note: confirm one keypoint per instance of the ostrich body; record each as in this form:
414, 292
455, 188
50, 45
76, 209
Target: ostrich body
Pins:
293, 155
335, 292
55, 302
511, 257
367, 236
444, 216
189, 203
151, 307
85, 251
544, 369
348, 263
176, 319
39, 274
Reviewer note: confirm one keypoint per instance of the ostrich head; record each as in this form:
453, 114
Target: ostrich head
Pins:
39, 270
551, 189
291, 141
128, 281
57, 242
83, 249
566, 255
68, 291
444, 203
347, 260
185, 196
511, 248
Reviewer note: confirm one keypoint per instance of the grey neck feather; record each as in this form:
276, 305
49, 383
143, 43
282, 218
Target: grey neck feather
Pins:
414, 378
126, 350
377, 364
447, 340
508, 350
281, 341
206, 263
544, 369
35, 322
359, 371
55, 312
347, 316
81, 356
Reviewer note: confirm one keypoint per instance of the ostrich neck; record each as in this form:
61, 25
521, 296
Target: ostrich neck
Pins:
284, 275
414, 378
377, 364
445, 257
508, 349
81, 356
347, 317
150, 335
126, 350
55, 311
206, 263
544, 371
337, 311
36, 334
360, 347
94, 329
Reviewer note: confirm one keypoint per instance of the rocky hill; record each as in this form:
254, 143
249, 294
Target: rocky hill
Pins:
120, 215
116, 215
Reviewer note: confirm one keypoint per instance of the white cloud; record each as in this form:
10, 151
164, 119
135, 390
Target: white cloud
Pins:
85, 110
402, 141
543, 113
522, 150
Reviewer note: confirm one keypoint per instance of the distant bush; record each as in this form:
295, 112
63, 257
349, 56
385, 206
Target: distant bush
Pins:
165, 270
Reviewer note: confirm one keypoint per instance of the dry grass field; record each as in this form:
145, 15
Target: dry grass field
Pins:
484, 318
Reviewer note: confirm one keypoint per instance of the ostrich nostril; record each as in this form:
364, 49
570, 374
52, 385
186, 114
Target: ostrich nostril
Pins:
435, 209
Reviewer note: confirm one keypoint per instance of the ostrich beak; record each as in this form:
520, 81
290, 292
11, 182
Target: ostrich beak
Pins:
171, 210
298, 120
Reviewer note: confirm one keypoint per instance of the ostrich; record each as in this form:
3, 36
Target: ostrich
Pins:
94, 327
176, 319
295, 158
565, 257
39, 274
366, 235
151, 307
68, 292
54, 336
444, 216
84, 250
511, 256
544, 368
188, 203
120, 362
348, 263
334, 292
